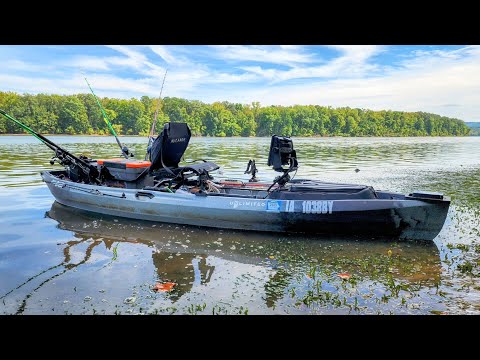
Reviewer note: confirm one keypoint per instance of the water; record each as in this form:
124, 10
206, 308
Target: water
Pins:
56, 260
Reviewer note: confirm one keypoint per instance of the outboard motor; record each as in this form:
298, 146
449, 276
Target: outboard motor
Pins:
281, 154
168, 148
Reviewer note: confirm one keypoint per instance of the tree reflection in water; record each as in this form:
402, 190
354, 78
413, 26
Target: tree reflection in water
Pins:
183, 270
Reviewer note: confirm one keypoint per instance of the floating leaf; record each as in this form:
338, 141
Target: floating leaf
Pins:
344, 276
271, 257
168, 286
389, 252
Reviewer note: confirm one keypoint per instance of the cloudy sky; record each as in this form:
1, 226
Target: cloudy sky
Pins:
438, 79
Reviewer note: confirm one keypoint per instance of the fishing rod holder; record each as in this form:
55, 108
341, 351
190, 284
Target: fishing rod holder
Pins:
251, 169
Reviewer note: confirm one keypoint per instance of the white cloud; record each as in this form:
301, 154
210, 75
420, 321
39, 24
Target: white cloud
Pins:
449, 87
357, 53
168, 57
20, 65
89, 63
136, 57
353, 62
137, 60
444, 81
268, 54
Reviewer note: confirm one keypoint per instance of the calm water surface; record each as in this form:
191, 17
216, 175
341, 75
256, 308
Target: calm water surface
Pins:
56, 260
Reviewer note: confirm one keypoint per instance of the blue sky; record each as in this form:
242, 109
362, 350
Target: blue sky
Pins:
439, 79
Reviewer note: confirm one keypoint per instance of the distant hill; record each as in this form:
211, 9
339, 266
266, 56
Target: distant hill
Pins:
473, 125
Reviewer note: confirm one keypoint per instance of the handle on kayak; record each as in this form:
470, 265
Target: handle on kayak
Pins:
143, 193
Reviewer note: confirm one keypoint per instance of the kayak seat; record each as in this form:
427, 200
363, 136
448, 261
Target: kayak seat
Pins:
169, 146
167, 151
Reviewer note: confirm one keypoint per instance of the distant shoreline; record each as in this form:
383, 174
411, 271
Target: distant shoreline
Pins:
252, 137
80, 114
85, 135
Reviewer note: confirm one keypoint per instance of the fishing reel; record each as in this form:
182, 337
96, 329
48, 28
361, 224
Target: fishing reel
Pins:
126, 151
59, 158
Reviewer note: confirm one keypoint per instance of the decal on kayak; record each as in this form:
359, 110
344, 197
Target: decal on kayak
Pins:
245, 203
274, 205
317, 207
290, 206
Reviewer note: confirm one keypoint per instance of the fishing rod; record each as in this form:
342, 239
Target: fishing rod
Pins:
123, 148
63, 156
152, 129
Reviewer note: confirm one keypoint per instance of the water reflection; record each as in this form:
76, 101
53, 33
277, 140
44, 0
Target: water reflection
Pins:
306, 267
179, 271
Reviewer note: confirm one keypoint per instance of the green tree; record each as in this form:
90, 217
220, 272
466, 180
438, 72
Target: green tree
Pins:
350, 126
80, 114
73, 117
94, 114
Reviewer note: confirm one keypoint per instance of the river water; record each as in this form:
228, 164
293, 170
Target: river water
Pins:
56, 260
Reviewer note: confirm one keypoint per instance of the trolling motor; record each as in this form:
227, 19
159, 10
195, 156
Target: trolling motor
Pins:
282, 154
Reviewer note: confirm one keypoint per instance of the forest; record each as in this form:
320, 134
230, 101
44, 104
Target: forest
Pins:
79, 114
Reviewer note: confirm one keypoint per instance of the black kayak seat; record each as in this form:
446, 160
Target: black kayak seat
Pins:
169, 146
167, 151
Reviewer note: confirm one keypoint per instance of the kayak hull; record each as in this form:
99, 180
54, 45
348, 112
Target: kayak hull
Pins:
392, 214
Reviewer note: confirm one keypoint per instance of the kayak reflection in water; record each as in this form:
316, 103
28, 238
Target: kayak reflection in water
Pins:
329, 273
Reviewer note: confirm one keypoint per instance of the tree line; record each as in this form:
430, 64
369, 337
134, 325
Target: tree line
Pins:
80, 114
474, 128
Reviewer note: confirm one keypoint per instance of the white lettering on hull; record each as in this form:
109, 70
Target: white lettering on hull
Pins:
251, 204
317, 207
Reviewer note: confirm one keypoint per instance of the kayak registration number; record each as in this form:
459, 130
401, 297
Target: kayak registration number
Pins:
308, 207
317, 207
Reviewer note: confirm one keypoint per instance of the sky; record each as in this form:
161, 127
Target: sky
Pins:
443, 80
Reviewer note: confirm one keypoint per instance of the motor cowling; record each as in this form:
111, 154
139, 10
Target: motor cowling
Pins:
282, 154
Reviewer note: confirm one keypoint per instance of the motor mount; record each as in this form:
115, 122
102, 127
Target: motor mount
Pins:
281, 154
